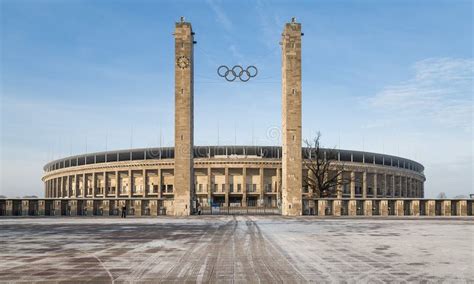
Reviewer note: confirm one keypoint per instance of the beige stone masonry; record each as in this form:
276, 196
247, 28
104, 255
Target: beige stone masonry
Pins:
368, 207
291, 120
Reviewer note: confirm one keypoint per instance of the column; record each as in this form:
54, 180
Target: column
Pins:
130, 183
105, 191
393, 186
262, 185
144, 193
209, 186
364, 184
399, 208
291, 120
61, 194
407, 186
94, 185
352, 184
117, 184
184, 118
84, 185
375, 185
278, 173
68, 186
160, 183
368, 207
322, 207
226, 173
244, 193
339, 185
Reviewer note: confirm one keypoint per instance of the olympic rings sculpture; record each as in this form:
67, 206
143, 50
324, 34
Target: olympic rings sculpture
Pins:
237, 72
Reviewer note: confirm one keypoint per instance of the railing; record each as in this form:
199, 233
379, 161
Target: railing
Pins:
388, 207
318, 207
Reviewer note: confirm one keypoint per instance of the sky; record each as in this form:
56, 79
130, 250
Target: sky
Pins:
392, 77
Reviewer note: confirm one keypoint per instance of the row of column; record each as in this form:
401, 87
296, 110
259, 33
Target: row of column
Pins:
260, 191
65, 186
150, 206
410, 188
400, 207
62, 187
89, 207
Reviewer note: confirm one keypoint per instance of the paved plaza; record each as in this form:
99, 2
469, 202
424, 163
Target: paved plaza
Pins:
236, 249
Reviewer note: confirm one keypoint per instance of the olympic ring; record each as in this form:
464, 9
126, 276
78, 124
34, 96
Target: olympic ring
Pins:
230, 74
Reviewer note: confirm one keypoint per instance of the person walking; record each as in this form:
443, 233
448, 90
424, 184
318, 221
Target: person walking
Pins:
199, 208
124, 211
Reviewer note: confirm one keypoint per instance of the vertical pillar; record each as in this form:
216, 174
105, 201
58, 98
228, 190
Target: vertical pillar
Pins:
291, 120
153, 208
105, 192
25, 206
393, 186
384, 207
160, 183
461, 208
84, 185
117, 184
226, 197
352, 184
431, 208
244, 187
375, 185
94, 184
41, 207
90, 207
322, 207
144, 193
446, 208
278, 183
407, 187
209, 186
73, 207
184, 121
337, 207
137, 205
415, 207
9, 207
368, 207
61, 194
339, 185
262, 185
364, 184
68, 186
399, 208
130, 183
105, 207
57, 208
352, 207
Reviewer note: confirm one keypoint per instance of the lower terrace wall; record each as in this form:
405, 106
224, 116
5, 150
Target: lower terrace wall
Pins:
318, 207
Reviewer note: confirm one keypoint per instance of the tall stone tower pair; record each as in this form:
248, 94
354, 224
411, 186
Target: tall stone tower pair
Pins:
291, 119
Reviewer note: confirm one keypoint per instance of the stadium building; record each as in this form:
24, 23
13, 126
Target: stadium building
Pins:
178, 178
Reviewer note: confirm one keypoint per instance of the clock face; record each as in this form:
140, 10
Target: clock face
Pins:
183, 62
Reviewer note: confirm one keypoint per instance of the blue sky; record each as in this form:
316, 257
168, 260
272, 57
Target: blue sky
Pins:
383, 76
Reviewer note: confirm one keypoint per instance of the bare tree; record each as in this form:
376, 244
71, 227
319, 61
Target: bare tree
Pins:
325, 175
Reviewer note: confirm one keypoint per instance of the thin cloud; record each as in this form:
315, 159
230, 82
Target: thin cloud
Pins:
441, 91
221, 16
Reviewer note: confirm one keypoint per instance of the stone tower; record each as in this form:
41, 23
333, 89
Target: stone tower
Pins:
184, 118
291, 120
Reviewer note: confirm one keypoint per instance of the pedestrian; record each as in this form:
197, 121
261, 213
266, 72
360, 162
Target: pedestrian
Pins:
199, 208
124, 211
